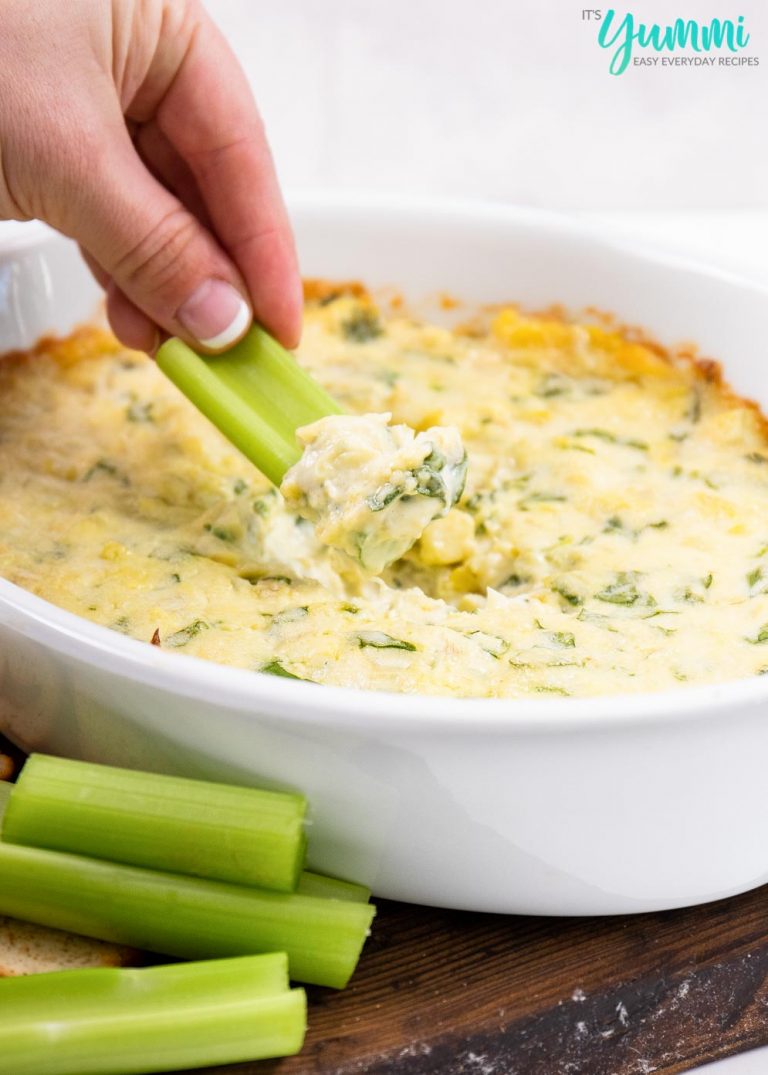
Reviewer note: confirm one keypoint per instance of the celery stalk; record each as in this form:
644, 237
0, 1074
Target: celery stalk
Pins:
183, 916
256, 394
124, 1022
331, 888
229, 833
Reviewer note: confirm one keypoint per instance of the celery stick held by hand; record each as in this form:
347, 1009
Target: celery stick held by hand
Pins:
371, 488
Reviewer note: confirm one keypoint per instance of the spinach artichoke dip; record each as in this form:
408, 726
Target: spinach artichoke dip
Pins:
612, 535
371, 488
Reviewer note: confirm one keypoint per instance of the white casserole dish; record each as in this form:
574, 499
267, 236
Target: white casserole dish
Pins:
563, 806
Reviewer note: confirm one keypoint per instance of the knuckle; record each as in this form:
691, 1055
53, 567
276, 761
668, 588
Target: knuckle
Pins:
156, 260
256, 238
240, 146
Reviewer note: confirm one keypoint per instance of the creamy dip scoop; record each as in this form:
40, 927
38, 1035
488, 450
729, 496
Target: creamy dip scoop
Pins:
372, 488
369, 487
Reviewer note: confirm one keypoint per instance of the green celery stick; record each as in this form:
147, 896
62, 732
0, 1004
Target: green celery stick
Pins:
170, 823
256, 394
183, 916
125, 1022
331, 888
5, 794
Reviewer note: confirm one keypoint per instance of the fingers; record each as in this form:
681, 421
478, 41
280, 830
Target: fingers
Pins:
155, 251
101, 277
194, 237
166, 164
131, 326
209, 117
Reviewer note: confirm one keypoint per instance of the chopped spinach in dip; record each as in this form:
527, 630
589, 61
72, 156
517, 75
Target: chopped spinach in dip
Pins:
612, 535
372, 488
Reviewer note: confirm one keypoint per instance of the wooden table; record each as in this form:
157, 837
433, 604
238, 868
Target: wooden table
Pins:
452, 993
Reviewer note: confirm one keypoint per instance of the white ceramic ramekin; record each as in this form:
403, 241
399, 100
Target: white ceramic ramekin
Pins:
563, 806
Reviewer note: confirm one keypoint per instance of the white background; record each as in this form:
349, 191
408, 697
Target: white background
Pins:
505, 99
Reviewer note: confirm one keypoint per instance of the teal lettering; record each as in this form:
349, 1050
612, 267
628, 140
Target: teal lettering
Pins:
623, 54
716, 33
741, 40
683, 33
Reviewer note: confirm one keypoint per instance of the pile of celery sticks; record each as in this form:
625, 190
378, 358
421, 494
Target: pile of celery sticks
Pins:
199, 871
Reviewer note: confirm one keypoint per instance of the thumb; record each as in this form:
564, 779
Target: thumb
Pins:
157, 252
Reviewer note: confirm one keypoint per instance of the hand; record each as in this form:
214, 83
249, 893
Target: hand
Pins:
130, 127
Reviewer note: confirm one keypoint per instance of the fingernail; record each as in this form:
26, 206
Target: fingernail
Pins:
215, 314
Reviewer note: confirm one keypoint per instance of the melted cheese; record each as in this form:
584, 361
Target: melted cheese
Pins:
371, 488
612, 535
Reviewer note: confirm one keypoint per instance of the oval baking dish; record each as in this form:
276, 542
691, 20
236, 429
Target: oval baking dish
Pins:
558, 806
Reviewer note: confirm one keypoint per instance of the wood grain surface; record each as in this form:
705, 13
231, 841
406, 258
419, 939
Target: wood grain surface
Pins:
452, 993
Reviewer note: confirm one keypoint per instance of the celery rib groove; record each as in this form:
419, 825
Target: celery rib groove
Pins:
243, 835
183, 916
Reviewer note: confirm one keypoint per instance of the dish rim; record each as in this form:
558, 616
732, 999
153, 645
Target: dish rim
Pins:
369, 710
